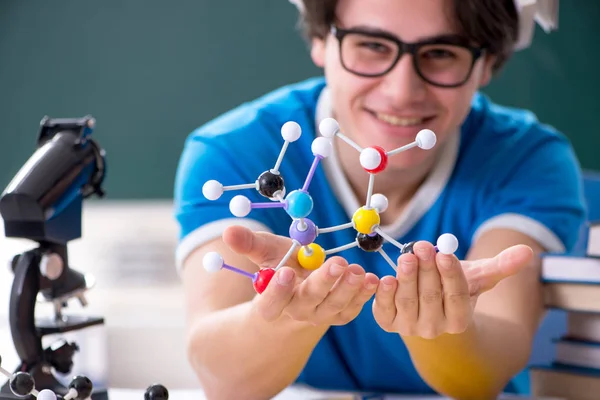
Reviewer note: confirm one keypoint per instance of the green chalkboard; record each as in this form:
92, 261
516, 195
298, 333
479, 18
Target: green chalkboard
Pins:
558, 78
151, 71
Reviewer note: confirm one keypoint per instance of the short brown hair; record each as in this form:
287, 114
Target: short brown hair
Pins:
493, 24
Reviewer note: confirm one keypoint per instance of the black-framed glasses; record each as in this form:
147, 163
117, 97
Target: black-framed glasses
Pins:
444, 61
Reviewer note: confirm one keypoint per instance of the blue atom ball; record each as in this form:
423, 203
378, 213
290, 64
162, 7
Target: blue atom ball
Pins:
299, 204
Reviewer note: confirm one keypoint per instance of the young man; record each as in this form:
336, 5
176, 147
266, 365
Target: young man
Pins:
505, 185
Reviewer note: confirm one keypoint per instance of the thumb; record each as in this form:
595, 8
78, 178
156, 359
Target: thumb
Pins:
484, 274
262, 248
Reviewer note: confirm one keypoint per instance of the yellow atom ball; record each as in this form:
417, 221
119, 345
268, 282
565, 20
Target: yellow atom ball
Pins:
312, 259
365, 219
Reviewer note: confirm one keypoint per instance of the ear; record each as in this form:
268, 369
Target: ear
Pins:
487, 70
317, 52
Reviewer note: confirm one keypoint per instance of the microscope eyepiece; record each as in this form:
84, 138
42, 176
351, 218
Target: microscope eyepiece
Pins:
43, 201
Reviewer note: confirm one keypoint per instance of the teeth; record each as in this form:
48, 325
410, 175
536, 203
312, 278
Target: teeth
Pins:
393, 120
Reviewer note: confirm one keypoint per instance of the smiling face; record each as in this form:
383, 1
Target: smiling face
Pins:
390, 110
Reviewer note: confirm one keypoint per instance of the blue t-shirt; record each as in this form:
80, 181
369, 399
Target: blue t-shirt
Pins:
504, 169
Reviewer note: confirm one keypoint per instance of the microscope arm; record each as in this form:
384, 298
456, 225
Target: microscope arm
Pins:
23, 297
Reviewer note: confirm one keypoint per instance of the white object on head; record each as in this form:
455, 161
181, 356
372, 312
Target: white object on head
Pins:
291, 131
299, 4
240, 206
321, 147
212, 189
426, 139
447, 243
544, 12
46, 394
212, 261
370, 158
379, 202
329, 127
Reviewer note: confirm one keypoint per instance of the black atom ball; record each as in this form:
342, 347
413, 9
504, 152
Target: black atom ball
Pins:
156, 392
369, 243
83, 385
270, 183
22, 384
408, 248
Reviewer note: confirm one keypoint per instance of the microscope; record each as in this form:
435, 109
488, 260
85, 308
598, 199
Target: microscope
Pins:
43, 203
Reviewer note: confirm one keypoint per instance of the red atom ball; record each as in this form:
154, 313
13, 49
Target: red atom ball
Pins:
382, 164
263, 277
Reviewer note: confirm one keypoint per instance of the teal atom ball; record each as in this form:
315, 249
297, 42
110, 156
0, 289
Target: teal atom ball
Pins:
299, 204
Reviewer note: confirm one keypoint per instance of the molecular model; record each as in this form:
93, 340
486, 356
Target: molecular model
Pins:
22, 385
299, 204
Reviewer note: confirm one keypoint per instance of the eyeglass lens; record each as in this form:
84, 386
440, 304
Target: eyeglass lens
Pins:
441, 64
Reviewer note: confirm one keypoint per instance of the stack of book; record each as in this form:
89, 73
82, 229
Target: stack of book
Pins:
572, 283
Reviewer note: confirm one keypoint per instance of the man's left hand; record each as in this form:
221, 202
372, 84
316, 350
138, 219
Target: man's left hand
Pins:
435, 293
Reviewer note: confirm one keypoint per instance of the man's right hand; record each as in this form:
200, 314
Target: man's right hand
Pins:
333, 294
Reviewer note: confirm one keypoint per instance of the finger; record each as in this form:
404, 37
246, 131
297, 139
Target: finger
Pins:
278, 294
365, 293
406, 299
456, 297
262, 248
384, 307
314, 289
431, 311
342, 292
483, 275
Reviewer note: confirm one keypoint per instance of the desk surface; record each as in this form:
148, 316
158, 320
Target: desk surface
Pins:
288, 394
294, 393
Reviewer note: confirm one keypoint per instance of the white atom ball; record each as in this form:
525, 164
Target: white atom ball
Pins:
240, 206
379, 202
212, 261
321, 147
46, 394
329, 127
447, 243
291, 131
212, 189
426, 139
370, 158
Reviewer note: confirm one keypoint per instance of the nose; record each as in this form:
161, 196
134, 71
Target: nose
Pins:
403, 85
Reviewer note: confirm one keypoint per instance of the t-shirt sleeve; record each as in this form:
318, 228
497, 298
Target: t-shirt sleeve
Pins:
221, 157
536, 189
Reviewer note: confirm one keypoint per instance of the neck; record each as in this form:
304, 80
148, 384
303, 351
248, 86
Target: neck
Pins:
397, 184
